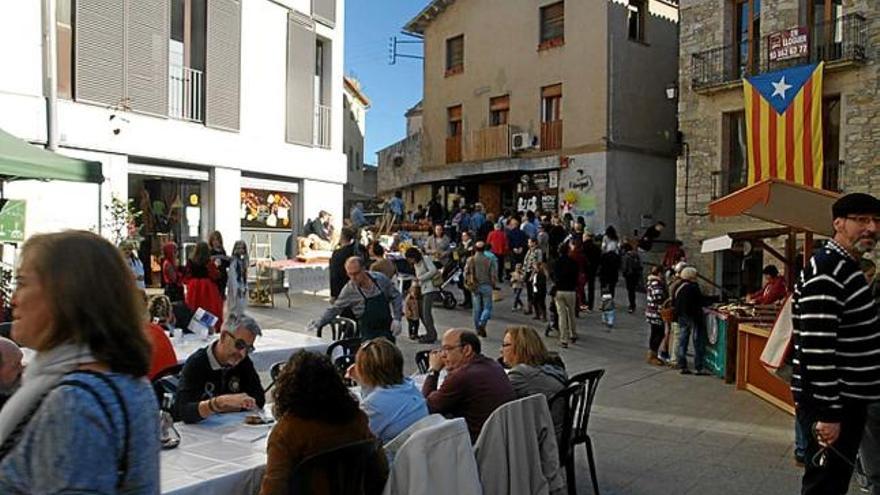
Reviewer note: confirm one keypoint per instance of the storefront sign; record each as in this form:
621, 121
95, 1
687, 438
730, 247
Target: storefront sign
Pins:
266, 209
788, 44
12, 218
548, 202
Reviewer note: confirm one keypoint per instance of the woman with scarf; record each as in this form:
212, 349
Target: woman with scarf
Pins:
85, 385
237, 274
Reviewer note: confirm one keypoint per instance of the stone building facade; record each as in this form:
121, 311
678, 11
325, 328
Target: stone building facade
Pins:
718, 45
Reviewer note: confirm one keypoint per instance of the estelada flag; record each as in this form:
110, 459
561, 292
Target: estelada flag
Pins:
784, 125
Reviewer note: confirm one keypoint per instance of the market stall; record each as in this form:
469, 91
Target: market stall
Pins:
801, 210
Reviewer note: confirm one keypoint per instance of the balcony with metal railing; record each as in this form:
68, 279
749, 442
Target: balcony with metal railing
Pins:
185, 93
323, 115
839, 42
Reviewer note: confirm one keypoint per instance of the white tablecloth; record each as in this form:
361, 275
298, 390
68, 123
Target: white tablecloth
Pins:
206, 463
273, 346
308, 278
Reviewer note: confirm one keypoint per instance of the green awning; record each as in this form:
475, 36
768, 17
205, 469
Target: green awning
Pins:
20, 160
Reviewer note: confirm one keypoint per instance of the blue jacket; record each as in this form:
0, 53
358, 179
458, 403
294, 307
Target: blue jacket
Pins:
392, 409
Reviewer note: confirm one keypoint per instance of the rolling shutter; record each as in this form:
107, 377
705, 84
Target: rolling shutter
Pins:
324, 11
147, 60
99, 51
300, 106
223, 64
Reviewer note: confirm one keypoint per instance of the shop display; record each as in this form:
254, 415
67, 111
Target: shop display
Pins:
266, 209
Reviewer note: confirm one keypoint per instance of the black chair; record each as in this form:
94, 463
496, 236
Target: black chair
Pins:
347, 346
578, 398
342, 363
340, 328
274, 371
6, 329
167, 382
344, 470
422, 360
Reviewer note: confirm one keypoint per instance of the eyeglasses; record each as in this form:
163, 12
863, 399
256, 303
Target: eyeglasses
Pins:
506, 344
448, 348
240, 344
864, 220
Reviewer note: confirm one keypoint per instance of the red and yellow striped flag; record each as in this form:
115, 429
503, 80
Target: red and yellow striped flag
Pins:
784, 125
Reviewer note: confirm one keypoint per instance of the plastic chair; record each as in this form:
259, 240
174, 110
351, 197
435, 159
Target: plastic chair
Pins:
342, 363
422, 360
274, 371
166, 382
341, 328
344, 470
578, 398
343, 347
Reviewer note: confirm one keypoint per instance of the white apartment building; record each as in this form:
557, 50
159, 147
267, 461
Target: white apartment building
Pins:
205, 114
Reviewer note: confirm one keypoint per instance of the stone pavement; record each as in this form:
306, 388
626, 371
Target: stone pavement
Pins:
654, 431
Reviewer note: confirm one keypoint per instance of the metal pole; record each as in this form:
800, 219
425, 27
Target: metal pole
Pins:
50, 74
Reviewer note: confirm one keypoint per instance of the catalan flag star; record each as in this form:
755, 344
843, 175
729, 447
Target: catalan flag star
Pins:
779, 88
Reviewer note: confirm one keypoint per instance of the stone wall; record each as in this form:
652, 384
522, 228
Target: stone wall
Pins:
399, 165
705, 24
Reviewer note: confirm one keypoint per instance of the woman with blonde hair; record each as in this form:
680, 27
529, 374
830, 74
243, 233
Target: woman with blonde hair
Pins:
85, 385
533, 370
391, 402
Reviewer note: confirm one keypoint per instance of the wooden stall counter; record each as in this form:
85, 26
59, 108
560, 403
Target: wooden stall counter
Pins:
752, 376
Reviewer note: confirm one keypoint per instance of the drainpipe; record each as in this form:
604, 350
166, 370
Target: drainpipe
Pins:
50, 74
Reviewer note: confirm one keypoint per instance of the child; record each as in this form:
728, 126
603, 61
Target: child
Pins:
539, 290
608, 310
516, 281
656, 289
411, 310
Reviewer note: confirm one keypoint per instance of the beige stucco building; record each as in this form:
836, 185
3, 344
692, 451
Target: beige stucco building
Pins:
552, 105
724, 41
361, 183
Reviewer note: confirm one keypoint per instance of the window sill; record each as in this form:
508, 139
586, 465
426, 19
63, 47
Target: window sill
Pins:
452, 71
552, 43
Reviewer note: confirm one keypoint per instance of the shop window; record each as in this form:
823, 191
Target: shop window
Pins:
734, 163
455, 55
746, 36
499, 108
635, 19
552, 25
64, 46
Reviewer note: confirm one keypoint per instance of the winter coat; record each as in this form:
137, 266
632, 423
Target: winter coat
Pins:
657, 294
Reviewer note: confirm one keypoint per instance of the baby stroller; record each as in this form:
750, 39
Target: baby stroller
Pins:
450, 274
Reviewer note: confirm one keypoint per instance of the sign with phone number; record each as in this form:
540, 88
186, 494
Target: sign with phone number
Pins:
788, 44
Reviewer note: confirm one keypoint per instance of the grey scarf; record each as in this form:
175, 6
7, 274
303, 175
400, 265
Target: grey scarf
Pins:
39, 377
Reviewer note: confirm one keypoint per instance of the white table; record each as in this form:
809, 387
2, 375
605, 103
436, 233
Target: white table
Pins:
312, 278
208, 462
273, 346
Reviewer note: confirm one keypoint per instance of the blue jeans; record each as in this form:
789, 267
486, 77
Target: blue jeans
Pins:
686, 327
482, 300
800, 440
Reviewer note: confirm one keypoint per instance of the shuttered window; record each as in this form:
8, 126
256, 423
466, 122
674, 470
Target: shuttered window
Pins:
455, 54
147, 59
223, 65
324, 11
551, 103
499, 107
99, 51
553, 21
64, 47
454, 117
301, 60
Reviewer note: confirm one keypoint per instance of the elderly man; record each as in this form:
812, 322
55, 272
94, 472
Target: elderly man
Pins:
474, 386
10, 369
221, 377
836, 345
371, 297
348, 247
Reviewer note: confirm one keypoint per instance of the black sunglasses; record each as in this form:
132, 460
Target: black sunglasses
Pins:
240, 344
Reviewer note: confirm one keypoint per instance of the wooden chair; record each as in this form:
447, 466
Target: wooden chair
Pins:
578, 398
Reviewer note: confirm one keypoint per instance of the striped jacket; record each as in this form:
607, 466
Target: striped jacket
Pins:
836, 335
657, 294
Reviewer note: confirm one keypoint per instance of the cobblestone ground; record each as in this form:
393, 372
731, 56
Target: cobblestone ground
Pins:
654, 431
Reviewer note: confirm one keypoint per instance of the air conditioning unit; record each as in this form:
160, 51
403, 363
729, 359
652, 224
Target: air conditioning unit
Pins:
520, 141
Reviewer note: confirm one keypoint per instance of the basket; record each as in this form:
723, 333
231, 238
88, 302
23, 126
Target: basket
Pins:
667, 314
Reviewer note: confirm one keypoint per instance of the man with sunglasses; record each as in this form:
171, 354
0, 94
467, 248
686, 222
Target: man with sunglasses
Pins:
221, 377
836, 347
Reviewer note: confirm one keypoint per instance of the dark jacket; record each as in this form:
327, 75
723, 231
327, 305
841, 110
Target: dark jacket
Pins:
316, 227
689, 301
516, 238
593, 253
557, 235
338, 277
609, 267
632, 265
565, 274
199, 381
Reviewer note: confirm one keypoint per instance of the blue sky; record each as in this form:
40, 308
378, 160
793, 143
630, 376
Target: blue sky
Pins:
392, 89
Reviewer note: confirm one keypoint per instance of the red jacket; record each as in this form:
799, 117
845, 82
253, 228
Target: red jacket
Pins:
772, 292
498, 240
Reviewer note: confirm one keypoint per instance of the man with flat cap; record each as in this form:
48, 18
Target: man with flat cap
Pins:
836, 347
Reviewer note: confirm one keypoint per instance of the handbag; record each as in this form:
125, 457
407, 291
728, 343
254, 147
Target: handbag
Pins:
774, 358
667, 314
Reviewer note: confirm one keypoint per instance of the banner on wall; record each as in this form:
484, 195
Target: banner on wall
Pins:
262, 209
